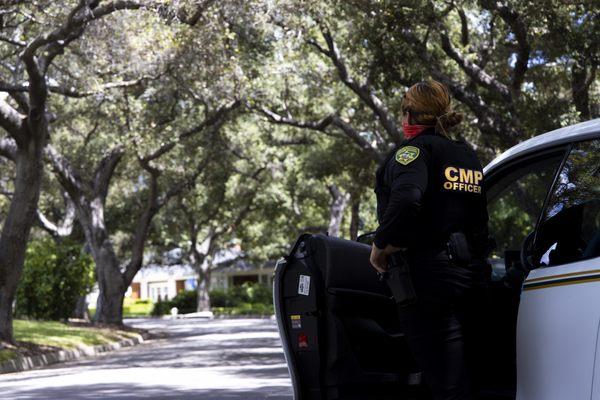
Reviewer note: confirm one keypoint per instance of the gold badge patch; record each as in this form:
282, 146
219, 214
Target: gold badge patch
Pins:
463, 179
407, 154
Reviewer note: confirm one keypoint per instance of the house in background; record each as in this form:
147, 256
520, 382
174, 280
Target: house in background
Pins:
165, 275
238, 272
156, 281
162, 282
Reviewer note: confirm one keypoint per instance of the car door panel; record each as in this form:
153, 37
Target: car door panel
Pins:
558, 332
353, 347
559, 313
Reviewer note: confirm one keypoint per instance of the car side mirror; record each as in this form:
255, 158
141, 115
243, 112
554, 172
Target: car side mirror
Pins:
366, 238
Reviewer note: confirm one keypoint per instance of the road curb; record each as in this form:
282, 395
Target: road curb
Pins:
26, 363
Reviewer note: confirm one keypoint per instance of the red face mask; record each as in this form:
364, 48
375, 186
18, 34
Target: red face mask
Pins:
410, 131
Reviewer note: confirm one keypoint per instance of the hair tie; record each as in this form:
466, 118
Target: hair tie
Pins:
442, 125
448, 112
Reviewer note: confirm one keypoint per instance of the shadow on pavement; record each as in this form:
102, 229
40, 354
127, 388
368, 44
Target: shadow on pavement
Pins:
134, 392
212, 360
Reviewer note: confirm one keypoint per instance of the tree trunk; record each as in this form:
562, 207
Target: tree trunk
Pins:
111, 284
17, 226
111, 287
355, 219
203, 290
336, 210
580, 90
81, 309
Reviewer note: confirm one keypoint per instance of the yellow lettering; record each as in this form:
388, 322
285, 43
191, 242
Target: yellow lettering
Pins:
466, 175
448, 185
449, 174
478, 177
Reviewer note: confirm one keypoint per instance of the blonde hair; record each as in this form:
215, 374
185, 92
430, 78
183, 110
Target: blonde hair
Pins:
429, 103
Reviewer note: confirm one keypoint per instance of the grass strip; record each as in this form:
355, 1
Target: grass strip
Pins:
36, 337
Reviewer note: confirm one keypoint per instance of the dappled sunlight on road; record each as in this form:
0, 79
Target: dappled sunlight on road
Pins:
219, 359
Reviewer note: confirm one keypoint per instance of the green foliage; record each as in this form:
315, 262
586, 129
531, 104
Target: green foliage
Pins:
245, 299
153, 79
237, 295
48, 333
54, 277
244, 309
57, 334
137, 308
220, 298
186, 301
161, 308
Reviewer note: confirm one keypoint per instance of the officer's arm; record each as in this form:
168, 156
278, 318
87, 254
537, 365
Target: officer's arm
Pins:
408, 183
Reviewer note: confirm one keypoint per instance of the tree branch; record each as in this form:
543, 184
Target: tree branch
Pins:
365, 92
154, 201
464, 27
322, 125
105, 170
473, 70
185, 183
68, 177
216, 118
17, 95
66, 226
8, 148
141, 231
489, 121
519, 28
12, 121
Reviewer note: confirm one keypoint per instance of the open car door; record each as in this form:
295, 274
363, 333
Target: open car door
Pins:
339, 325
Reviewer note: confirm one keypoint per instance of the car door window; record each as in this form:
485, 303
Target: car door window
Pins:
515, 202
570, 227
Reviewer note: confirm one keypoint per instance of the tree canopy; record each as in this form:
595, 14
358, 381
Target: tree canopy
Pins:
138, 126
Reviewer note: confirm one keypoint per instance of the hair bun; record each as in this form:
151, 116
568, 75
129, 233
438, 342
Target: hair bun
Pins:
449, 120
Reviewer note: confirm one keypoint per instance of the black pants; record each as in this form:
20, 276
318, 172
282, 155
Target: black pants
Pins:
443, 327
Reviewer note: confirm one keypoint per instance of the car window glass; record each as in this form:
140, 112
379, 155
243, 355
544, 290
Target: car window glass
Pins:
514, 206
570, 228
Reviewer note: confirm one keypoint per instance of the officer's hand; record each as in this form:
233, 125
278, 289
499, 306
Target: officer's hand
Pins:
378, 259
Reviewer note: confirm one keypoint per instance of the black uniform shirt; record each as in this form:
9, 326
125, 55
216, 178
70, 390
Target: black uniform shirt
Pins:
427, 188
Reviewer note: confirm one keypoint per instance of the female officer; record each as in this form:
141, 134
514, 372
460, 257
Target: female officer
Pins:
429, 188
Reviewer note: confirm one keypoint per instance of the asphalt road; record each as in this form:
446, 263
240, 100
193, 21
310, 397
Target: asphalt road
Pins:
201, 359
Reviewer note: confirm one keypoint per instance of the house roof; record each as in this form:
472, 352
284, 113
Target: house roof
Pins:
163, 272
235, 265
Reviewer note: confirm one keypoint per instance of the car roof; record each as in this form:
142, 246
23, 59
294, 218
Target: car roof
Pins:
572, 133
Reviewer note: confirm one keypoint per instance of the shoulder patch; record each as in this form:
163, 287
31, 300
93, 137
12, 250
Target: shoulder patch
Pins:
407, 154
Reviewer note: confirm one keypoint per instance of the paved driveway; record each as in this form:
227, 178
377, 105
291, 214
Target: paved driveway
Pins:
213, 360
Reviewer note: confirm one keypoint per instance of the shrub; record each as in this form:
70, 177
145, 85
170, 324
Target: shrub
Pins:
238, 300
55, 276
161, 308
237, 295
186, 301
260, 294
219, 298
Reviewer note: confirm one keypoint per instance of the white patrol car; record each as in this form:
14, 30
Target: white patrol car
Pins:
339, 327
